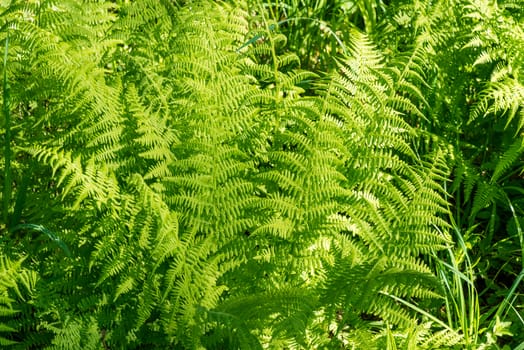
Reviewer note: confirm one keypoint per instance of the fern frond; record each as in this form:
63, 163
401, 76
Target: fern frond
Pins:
76, 333
89, 181
486, 194
442, 339
16, 285
511, 154
505, 97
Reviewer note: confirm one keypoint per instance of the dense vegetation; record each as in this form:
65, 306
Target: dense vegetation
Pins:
254, 174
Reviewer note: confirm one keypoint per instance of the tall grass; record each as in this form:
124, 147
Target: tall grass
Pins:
507, 303
480, 327
457, 275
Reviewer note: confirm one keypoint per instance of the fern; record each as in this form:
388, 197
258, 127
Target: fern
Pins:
391, 201
504, 97
214, 194
498, 55
8, 281
77, 334
17, 285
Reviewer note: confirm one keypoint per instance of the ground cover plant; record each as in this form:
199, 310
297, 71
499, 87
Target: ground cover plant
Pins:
262, 174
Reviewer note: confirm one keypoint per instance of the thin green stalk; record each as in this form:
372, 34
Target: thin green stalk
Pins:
461, 297
505, 304
269, 29
468, 302
419, 310
7, 145
272, 27
520, 233
50, 234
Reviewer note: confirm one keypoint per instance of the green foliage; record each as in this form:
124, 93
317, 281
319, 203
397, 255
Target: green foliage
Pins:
317, 30
186, 174
472, 57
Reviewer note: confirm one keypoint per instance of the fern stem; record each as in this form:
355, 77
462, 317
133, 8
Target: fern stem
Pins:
274, 56
6, 195
419, 310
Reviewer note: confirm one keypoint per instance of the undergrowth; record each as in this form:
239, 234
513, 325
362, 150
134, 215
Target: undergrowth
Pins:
189, 175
